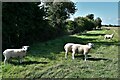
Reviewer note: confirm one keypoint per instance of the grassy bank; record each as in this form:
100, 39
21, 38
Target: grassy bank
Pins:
46, 60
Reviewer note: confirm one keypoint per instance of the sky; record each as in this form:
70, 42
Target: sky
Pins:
107, 11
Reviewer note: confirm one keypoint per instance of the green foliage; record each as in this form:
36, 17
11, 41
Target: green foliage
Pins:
90, 16
58, 12
23, 24
98, 22
83, 23
70, 26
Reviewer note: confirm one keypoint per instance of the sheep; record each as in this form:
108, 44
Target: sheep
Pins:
15, 53
108, 36
107, 28
68, 48
81, 49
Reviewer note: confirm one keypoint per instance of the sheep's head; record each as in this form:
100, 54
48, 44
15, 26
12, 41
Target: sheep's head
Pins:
25, 47
90, 45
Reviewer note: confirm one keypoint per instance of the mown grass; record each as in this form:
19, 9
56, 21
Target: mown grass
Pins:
46, 60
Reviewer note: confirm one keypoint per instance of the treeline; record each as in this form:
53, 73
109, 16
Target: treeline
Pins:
24, 23
81, 24
110, 25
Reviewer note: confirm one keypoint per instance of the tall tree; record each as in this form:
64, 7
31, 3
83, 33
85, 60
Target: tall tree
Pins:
58, 12
98, 22
22, 23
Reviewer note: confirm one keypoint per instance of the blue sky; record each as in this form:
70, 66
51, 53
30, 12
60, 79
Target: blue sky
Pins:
107, 11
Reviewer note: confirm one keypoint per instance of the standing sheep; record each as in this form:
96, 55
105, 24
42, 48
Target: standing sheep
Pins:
81, 49
14, 53
108, 36
68, 48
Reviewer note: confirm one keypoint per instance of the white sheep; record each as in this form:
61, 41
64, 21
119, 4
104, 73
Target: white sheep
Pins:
15, 53
81, 49
108, 36
68, 48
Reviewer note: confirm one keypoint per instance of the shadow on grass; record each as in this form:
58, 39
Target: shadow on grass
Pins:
97, 59
81, 56
93, 34
107, 43
90, 58
27, 63
56, 46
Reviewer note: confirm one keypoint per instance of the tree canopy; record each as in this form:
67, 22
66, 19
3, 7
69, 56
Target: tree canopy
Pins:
98, 21
58, 12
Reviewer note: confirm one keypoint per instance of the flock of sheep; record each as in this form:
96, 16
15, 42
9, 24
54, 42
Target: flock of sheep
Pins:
20, 53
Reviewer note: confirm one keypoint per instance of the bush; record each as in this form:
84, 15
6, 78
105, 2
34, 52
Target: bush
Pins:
83, 23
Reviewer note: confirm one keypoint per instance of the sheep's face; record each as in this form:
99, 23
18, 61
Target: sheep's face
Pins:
25, 47
91, 44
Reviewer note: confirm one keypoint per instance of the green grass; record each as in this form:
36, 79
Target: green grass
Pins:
46, 60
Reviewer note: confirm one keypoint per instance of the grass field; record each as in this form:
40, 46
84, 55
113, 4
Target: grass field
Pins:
46, 60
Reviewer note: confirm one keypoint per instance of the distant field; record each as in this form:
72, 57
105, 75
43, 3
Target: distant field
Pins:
46, 60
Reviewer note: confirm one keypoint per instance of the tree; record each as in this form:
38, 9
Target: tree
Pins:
98, 22
58, 12
70, 26
90, 16
22, 24
83, 23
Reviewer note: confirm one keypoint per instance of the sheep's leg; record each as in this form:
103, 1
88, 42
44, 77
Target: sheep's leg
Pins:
110, 38
20, 60
66, 54
5, 60
85, 56
73, 54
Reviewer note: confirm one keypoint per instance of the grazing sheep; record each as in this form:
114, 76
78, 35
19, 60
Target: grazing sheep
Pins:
15, 53
68, 48
108, 36
81, 49
107, 28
